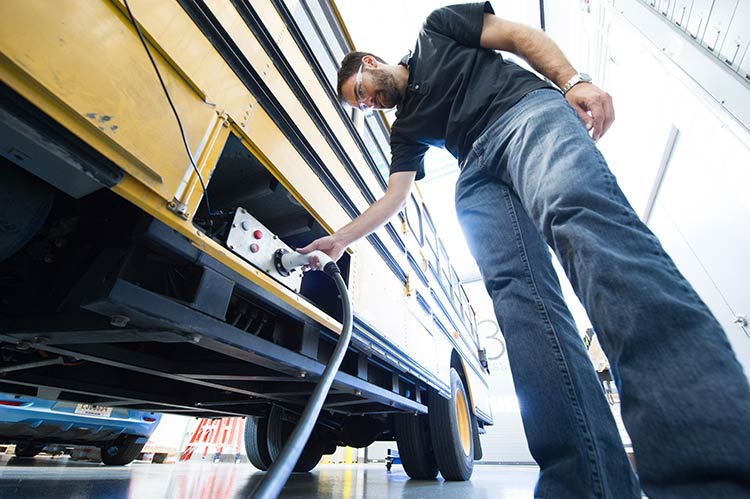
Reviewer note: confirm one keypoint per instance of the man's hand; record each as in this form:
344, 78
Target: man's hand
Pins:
329, 245
594, 107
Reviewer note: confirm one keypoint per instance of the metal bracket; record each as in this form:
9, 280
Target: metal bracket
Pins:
741, 321
407, 286
482, 352
178, 207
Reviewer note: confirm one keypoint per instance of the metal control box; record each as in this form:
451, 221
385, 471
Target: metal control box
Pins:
251, 240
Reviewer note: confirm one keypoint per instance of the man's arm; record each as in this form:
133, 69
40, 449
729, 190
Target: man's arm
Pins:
399, 186
545, 57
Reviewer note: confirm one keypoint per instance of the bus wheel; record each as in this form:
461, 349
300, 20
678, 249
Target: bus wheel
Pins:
414, 447
279, 432
256, 442
451, 431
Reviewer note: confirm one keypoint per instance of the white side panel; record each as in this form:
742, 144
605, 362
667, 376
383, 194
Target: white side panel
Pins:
721, 16
377, 295
443, 359
420, 341
698, 18
702, 208
744, 67
712, 24
736, 43
704, 225
681, 13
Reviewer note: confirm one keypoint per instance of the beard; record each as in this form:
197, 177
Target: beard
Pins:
386, 93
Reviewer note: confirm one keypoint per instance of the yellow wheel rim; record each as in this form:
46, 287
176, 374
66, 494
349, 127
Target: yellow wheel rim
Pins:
462, 417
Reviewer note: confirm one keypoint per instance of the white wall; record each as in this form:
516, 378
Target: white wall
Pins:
702, 208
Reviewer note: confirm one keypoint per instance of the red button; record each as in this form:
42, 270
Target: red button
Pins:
258, 234
254, 248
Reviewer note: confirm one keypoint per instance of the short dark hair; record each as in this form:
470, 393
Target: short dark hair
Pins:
349, 66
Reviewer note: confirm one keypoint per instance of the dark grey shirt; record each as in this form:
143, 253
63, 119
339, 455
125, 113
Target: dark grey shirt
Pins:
456, 88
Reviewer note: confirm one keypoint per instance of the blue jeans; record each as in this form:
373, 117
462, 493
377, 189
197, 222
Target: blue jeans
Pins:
535, 180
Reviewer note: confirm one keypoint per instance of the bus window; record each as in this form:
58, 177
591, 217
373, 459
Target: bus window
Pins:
429, 229
444, 266
414, 219
429, 237
465, 308
429, 252
380, 132
381, 162
328, 46
455, 287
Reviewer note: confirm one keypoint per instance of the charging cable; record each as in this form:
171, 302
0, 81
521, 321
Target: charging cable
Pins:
174, 111
282, 467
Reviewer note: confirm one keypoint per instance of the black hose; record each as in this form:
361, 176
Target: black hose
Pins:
282, 467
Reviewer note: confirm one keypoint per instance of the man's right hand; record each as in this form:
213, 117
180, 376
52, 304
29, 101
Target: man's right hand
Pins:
594, 107
330, 245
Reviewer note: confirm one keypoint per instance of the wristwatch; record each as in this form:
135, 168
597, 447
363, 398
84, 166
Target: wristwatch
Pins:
577, 78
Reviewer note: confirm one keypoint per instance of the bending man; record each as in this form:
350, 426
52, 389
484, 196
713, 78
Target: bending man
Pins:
532, 178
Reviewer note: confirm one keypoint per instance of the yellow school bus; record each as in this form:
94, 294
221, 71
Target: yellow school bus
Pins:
154, 154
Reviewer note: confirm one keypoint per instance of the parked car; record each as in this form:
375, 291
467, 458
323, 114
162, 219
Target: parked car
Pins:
33, 423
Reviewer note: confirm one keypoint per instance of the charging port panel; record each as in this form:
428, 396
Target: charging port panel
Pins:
255, 243
241, 182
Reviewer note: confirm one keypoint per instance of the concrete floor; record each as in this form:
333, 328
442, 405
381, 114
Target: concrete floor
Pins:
49, 478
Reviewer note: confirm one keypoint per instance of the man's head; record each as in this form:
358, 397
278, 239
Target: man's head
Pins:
365, 81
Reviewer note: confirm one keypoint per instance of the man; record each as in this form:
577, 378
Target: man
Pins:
531, 176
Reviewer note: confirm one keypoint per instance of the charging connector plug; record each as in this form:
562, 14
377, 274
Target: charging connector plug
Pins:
287, 261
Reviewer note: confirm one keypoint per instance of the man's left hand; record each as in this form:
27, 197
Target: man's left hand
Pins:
594, 107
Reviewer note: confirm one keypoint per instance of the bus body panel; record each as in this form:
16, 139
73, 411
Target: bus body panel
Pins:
410, 306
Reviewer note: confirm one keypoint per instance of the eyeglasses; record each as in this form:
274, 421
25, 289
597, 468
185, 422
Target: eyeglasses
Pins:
358, 92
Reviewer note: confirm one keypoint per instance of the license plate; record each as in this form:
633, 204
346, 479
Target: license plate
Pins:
93, 410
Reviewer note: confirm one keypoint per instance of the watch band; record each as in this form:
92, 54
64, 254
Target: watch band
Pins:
577, 78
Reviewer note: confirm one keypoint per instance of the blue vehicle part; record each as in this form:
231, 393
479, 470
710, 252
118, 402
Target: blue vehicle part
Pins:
24, 419
392, 457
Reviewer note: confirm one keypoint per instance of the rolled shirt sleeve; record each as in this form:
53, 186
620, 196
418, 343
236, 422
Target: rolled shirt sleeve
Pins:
408, 157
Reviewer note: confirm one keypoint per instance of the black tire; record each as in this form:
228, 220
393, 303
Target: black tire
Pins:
25, 203
414, 446
256, 442
28, 449
278, 433
121, 451
451, 431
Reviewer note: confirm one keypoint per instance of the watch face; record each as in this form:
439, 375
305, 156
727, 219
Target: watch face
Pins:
585, 77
